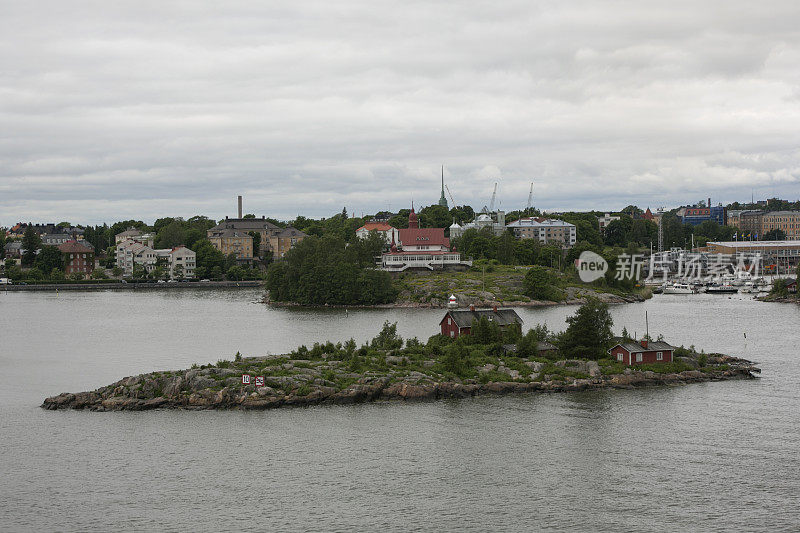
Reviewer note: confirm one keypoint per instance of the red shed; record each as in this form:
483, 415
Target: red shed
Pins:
644, 352
459, 321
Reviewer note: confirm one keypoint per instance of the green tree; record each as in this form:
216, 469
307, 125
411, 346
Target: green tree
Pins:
30, 243
57, 275
528, 345
541, 283
208, 256
588, 334
256, 243
99, 274
171, 234
484, 332
774, 235
49, 258
387, 339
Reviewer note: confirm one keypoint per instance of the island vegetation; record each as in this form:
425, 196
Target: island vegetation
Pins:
392, 368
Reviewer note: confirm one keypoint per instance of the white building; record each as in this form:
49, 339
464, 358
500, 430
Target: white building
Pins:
129, 252
390, 234
496, 221
135, 235
605, 220
547, 230
431, 260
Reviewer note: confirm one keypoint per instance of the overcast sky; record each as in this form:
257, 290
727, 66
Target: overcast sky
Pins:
116, 110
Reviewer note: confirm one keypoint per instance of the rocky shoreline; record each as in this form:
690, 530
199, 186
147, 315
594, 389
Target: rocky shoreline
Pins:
301, 382
604, 297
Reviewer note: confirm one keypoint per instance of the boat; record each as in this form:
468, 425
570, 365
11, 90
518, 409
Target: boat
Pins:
678, 288
722, 289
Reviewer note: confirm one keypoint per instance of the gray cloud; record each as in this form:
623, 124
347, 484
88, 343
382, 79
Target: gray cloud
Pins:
141, 109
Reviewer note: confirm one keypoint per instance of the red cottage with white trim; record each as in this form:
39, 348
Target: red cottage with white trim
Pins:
644, 352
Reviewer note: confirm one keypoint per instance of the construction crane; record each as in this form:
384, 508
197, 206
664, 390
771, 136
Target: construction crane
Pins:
530, 199
450, 195
494, 196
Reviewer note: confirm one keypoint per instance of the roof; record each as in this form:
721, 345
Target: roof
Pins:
228, 232
129, 233
74, 247
464, 317
375, 226
423, 236
291, 232
635, 347
422, 252
246, 224
538, 222
755, 244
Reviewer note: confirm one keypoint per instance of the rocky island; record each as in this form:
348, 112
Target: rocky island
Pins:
389, 368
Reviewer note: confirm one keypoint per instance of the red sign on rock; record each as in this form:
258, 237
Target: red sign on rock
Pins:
259, 381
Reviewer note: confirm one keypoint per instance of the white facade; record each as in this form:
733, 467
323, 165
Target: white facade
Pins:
496, 221
399, 261
384, 229
130, 252
546, 230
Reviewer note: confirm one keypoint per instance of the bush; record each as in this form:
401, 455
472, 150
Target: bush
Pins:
541, 283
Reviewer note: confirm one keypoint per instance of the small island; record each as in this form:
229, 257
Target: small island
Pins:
488, 357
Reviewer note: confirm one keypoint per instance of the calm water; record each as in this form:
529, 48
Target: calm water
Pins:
708, 457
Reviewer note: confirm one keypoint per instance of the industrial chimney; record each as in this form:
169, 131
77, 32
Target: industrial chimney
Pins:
709, 202
240, 207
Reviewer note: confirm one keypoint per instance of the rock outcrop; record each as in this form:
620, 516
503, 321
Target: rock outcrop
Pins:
302, 382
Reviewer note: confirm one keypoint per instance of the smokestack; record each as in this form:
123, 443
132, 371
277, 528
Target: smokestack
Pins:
709, 202
240, 206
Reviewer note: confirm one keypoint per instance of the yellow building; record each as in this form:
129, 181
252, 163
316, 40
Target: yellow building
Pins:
231, 241
283, 241
786, 221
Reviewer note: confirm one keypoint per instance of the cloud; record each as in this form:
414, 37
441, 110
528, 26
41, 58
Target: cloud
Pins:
142, 110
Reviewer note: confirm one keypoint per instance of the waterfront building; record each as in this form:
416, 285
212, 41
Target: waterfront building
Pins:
547, 230
77, 258
786, 221
135, 235
644, 352
389, 233
457, 322
282, 241
180, 261
421, 248
129, 252
232, 241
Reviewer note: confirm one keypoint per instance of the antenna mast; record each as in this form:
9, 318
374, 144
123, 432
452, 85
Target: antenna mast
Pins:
494, 196
530, 198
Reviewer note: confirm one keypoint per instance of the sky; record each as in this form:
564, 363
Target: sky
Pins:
119, 110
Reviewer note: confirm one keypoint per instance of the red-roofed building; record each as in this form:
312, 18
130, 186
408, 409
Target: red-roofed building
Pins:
423, 248
77, 258
389, 233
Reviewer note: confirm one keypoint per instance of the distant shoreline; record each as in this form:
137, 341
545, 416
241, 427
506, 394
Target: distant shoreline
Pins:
130, 286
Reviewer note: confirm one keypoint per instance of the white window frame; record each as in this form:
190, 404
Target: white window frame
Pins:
620, 356
639, 357
659, 356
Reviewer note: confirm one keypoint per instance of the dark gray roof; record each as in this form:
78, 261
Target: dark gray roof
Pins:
502, 317
635, 347
228, 232
545, 346
291, 232
246, 224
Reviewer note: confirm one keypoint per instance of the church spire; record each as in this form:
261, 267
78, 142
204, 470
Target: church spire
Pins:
442, 199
